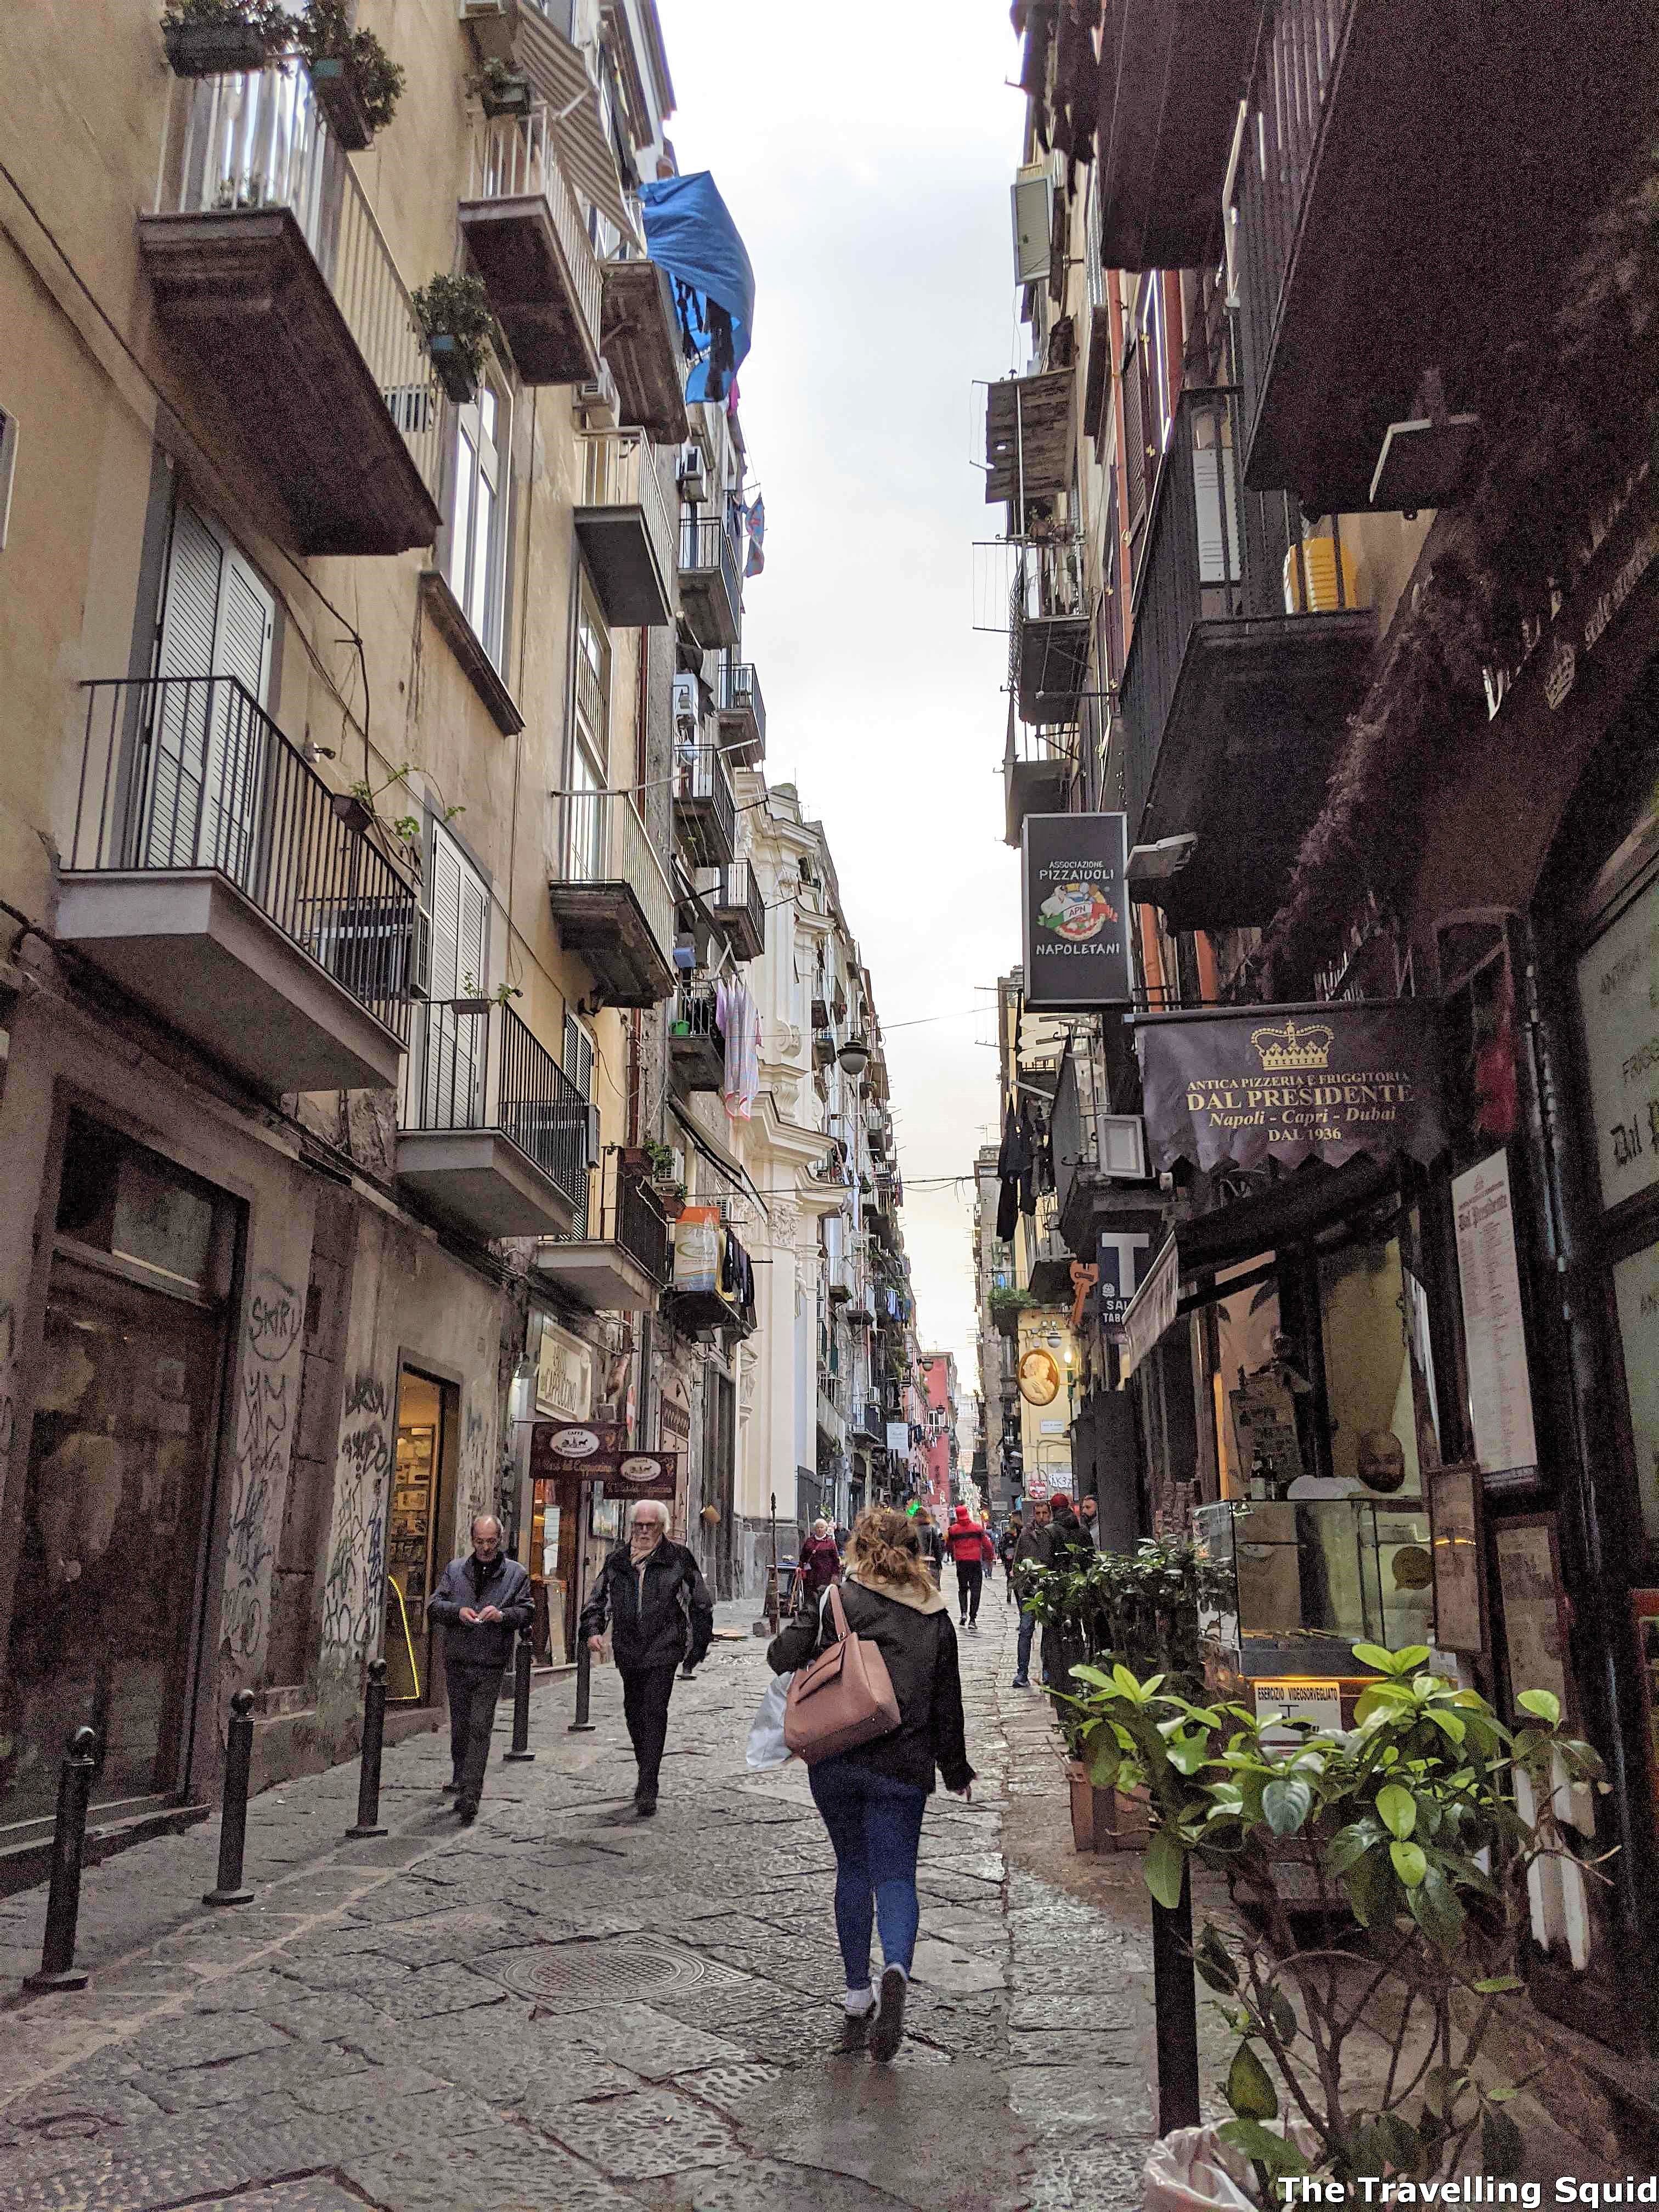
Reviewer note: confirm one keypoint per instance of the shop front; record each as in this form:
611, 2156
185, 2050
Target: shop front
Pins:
564, 1393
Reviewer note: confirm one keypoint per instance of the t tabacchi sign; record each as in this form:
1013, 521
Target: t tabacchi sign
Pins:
1292, 1084
1076, 908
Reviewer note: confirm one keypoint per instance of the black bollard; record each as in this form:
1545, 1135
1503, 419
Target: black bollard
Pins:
368, 1774
1175, 1999
582, 1725
68, 1839
233, 1813
520, 1751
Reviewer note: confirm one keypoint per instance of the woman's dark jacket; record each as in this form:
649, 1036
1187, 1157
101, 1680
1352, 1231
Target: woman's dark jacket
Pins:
674, 1622
920, 1652
820, 1561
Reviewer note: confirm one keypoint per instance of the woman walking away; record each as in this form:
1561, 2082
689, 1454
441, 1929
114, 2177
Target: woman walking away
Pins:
874, 1796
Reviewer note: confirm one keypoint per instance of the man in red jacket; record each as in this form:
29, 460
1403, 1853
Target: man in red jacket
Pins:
972, 1550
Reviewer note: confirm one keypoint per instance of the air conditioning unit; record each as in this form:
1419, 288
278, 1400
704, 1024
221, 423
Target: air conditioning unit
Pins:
694, 481
687, 713
595, 403
1033, 196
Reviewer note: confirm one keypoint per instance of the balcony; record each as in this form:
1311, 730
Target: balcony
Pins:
742, 713
733, 897
869, 1425
699, 1307
526, 239
615, 1257
1435, 126
288, 321
616, 909
1030, 439
1036, 775
210, 874
832, 1423
627, 538
1169, 101
491, 1133
1232, 708
640, 339
711, 581
1048, 626
696, 1050
705, 809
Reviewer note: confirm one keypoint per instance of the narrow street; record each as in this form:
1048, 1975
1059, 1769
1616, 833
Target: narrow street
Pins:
547, 2011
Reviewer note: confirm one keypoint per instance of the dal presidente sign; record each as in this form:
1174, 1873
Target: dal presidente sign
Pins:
1292, 1084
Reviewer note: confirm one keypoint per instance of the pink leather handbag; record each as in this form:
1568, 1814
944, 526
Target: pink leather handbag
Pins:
842, 1697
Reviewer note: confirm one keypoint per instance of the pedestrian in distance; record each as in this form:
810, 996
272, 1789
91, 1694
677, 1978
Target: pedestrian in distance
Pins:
933, 1550
1070, 1547
872, 1797
481, 1601
970, 1548
1005, 1548
652, 1597
1032, 1552
820, 1565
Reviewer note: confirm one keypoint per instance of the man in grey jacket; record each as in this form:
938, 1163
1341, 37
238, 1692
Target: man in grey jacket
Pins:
481, 1601
1034, 1550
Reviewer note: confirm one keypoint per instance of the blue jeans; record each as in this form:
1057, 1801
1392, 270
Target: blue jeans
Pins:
875, 1825
1027, 1626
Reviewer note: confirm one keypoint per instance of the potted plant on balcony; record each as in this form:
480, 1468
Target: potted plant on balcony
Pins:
1007, 1306
456, 323
356, 82
1411, 1836
220, 37
504, 91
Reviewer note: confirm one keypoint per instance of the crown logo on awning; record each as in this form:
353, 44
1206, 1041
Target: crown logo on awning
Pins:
1289, 1050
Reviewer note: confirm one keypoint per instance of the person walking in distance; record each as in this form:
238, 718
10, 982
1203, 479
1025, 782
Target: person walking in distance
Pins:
1070, 1547
1033, 1551
872, 1797
933, 1551
1005, 1552
652, 1597
820, 1564
969, 1547
481, 1602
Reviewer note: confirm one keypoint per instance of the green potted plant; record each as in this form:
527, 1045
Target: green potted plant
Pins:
1007, 1306
358, 83
455, 320
1402, 1928
504, 90
221, 38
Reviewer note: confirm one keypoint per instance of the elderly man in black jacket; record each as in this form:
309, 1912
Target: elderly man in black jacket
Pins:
657, 1605
481, 1601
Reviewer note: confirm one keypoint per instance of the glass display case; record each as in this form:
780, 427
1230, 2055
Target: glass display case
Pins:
1290, 1587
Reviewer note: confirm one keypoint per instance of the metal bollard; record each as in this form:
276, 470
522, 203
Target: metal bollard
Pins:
232, 1814
68, 1838
368, 1774
520, 1751
1175, 2001
582, 1725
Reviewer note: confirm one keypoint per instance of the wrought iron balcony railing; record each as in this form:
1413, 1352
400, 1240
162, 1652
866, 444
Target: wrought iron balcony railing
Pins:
483, 1069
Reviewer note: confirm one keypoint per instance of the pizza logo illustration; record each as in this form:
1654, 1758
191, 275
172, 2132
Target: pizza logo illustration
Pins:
1076, 912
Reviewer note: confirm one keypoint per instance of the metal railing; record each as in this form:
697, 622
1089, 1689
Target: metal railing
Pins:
707, 545
635, 862
255, 143
189, 772
738, 891
1214, 552
1284, 109
738, 691
705, 779
694, 1005
620, 469
481, 1068
514, 157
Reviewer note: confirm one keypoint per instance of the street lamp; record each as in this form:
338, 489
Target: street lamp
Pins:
854, 1056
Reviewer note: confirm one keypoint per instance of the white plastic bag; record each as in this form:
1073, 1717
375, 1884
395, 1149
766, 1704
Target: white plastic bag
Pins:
766, 1745
1193, 2171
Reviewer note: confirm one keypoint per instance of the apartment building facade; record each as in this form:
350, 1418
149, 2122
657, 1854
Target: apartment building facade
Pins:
1330, 569
342, 886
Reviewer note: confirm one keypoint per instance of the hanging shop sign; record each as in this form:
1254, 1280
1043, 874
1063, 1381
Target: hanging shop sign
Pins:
1121, 1257
1039, 1376
1292, 1083
644, 1474
1617, 988
1152, 1309
564, 1374
1075, 901
580, 1451
1489, 1282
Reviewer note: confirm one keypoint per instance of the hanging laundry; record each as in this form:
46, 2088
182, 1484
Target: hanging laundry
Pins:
689, 232
1013, 1164
739, 1024
756, 560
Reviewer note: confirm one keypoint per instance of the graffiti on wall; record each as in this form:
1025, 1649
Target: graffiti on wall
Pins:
263, 1412
353, 1585
477, 1493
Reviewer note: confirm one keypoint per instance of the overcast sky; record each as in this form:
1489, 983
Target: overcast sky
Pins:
866, 157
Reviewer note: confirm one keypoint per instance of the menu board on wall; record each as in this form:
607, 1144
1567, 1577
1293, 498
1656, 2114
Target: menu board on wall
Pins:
1529, 1577
1500, 1385
1619, 993
1636, 1294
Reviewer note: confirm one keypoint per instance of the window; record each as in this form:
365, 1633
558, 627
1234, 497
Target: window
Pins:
453, 1046
477, 565
590, 747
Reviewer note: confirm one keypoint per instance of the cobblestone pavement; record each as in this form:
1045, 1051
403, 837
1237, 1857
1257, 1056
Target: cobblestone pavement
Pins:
544, 2010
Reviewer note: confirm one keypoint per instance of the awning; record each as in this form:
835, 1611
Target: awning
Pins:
558, 72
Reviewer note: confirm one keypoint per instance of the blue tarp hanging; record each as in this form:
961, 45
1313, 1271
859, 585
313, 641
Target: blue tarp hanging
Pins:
688, 232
